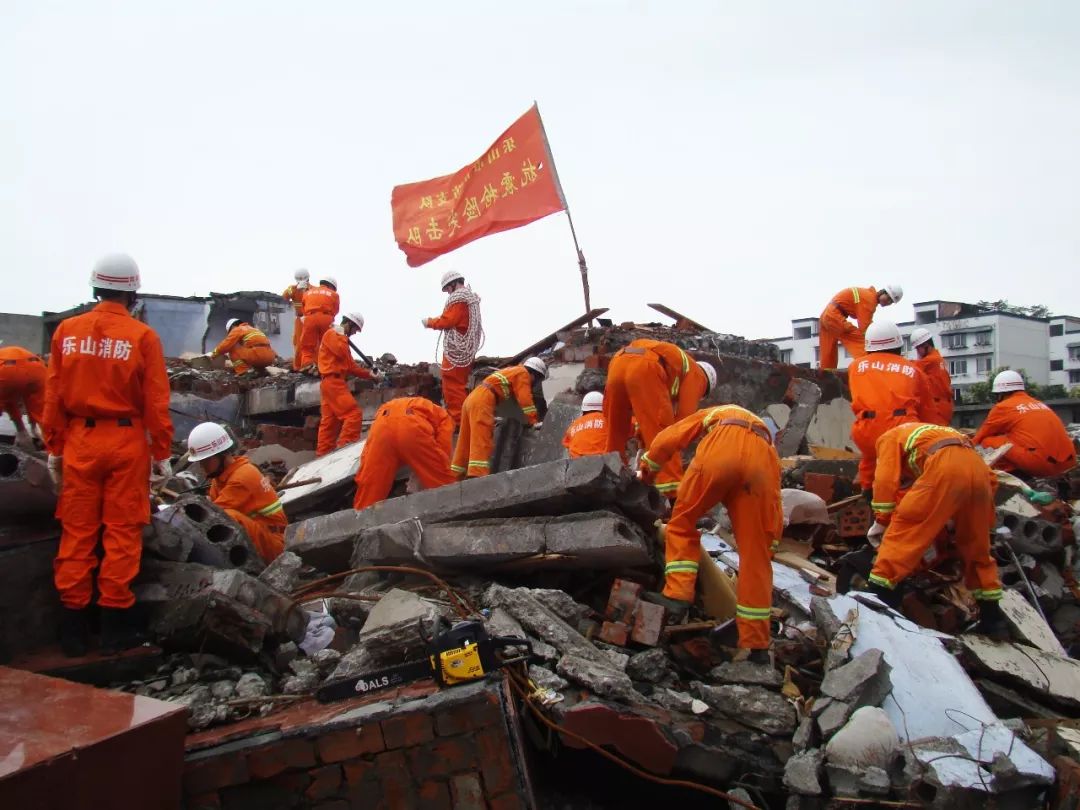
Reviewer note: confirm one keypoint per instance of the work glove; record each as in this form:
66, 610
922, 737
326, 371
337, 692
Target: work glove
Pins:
646, 474
875, 533
424, 322
538, 425
55, 465
160, 471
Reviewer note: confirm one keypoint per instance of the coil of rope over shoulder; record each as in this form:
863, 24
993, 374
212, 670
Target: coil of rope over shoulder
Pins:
461, 349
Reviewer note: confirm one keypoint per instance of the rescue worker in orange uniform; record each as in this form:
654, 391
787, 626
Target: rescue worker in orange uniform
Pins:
409, 431
886, 390
1040, 444
294, 294
239, 488
248, 348
951, 482
462, 338
656, 383
853, 302
340, 417
735, 464
586, 435
321, 305
22, 386
108, 433
472, 454
938, 407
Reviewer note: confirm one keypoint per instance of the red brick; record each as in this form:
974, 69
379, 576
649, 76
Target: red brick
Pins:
468, 716
508, 801
208, 775
468, 795
397, 784
434, 796
325, 782
614, 633
207, 801
648, 623
495, 763
357, 770
295, 783
350, 743
407, 731
821, 484
622, 600
442, 758
273, 759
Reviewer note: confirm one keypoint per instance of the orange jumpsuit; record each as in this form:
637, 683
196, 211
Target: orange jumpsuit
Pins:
247, 347
586, 435
321, 305
951, 482
454, 379
340, 417
1041, 446
107, 414
410, 431
22, 382
248, 498
295, 296
938, 405
833, 325
735, 464
886, 391
472, 455
657, 383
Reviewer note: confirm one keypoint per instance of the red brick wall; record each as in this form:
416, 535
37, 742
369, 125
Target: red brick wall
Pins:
440, 753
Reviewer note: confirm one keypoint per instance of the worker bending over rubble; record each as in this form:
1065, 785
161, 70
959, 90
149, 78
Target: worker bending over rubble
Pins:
462, 336
321, 306
294, 294
108, 433
239, 489
1040, 444
886, 390
340, 417
657, 383
937, 408
735, 464
586, 435
951, 482
859, 303
472, 454
22, 387
410, 431
248, 348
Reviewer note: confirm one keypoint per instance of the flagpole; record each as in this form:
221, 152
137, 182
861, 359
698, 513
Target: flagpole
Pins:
582, 266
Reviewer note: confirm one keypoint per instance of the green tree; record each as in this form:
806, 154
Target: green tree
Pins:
1002, 305
980, 392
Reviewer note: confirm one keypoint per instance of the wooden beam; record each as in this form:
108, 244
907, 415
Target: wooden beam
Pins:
553, 338
679, 318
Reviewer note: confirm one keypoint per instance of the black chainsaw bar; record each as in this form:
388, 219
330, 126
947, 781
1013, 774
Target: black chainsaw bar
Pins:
374, 681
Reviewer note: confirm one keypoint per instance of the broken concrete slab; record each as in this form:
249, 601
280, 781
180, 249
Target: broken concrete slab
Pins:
753, 706
208, 536
802, 396
1051, 677
651, 666
547, 443
1030, 535
1027, 625
868, 739
188, 410
601, 540
600, 678
211, 622
863, 681
283, 572
332, 482
746, 672
25, 487
556, 488
398, 625
802, 773
541, 622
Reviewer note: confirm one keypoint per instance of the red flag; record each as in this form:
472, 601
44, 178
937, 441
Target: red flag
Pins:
512, 184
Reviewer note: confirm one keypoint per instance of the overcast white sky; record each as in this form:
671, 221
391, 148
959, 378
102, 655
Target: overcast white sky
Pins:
737, 161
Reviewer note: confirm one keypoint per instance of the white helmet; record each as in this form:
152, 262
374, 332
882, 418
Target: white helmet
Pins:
355, 317
882, 336
710, 374
449, 277
593, 401
537, 365
329, 280
895, 291
206, 440
920, 336
117, 271
229, 324
302, 275
1007, 380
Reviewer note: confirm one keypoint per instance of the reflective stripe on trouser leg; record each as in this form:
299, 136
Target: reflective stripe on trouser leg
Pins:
651, 405
682, 540
974, 522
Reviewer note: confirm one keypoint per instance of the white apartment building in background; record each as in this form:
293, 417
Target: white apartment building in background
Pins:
973, 341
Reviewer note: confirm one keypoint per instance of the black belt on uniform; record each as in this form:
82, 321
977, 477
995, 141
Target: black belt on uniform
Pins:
941, 444
758, 429
872, 414
91, 421
333, 376
10, 362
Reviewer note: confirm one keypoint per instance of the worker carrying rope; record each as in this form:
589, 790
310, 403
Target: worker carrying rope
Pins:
462, 336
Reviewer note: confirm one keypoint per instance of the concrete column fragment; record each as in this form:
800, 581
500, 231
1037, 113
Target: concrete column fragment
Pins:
194, 530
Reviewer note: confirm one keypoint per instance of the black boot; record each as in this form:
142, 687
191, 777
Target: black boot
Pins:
759, 657
676, 608
887, 595
991, 620
74, 632
118, 630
